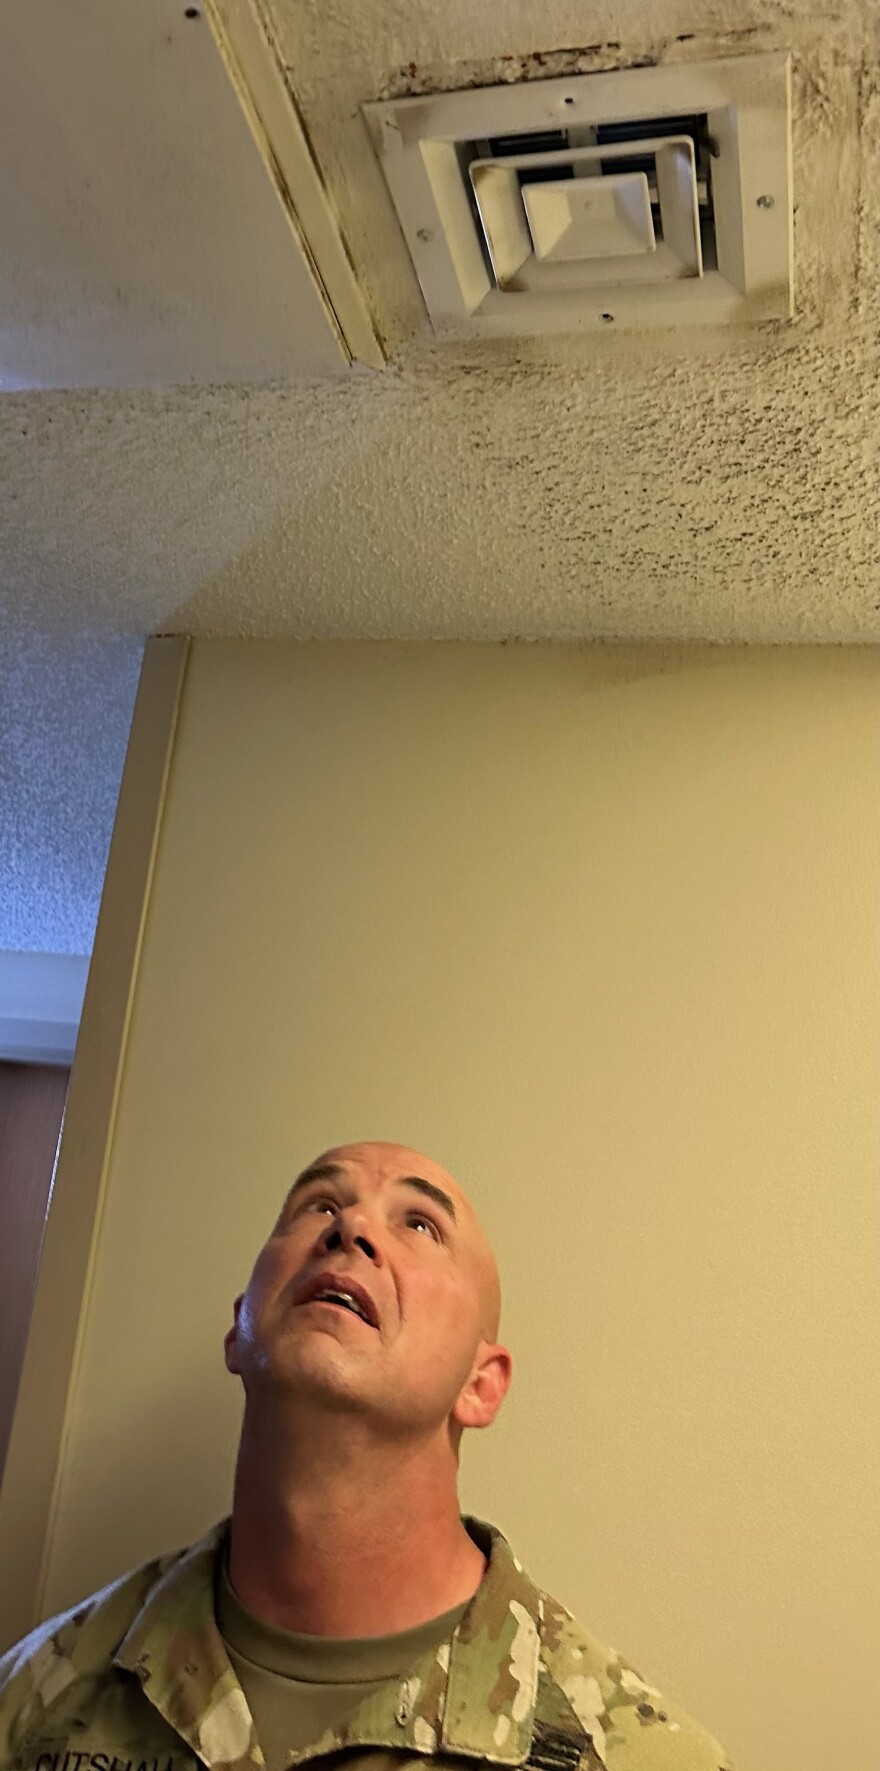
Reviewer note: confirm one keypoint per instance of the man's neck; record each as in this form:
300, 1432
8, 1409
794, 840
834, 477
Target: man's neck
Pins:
368, 1545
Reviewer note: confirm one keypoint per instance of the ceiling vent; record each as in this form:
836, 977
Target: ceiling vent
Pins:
653, 197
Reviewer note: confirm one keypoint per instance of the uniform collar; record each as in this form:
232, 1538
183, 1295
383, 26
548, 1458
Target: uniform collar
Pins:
475, 1695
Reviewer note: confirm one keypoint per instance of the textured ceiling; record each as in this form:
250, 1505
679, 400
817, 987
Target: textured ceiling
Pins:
703, 486
718, 486
65, 711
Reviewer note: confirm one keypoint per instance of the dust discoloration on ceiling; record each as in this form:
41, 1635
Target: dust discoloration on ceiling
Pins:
412, 80
704, 485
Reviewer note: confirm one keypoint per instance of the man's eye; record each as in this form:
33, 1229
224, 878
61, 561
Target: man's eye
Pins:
418, 1217
323, 1203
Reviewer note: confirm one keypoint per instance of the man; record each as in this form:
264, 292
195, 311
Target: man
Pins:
346, 1607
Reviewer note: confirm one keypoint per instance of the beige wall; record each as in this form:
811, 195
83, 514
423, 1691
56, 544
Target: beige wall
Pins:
598, 929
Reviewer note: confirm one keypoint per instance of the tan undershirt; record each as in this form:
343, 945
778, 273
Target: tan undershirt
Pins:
297, 1685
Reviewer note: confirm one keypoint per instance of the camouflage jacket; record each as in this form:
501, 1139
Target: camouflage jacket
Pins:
137, 1679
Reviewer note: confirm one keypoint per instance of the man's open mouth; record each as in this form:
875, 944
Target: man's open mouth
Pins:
341, 1300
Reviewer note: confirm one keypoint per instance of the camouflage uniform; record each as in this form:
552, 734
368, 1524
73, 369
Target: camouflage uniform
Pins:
137, 1679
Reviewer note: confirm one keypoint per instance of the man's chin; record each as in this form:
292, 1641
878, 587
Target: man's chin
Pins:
315, 1371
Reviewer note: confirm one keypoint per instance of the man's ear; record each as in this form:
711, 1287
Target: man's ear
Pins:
486, 1388
230, 1339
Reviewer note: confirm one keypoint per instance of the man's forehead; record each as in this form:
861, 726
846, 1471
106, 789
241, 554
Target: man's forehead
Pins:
384, 1157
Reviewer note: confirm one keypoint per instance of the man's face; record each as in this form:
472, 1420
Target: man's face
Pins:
397, 1225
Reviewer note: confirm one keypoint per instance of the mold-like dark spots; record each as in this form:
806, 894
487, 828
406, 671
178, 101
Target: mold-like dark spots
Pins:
411, 81
191, 12
607, 318
685, 36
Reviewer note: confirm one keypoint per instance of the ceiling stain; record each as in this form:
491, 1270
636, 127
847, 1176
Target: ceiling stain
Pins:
412, 81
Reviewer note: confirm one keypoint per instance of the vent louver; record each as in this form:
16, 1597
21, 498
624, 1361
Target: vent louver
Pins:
647, 197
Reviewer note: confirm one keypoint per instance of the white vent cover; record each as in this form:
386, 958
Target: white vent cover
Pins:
652, 197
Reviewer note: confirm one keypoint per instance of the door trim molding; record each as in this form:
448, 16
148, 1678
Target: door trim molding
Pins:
29, 1494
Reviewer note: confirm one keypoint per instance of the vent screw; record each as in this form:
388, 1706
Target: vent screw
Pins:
766, 202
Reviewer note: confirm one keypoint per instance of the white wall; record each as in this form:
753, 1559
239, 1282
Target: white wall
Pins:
598, 929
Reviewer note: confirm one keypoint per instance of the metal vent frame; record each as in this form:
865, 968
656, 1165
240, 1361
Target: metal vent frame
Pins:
426, 146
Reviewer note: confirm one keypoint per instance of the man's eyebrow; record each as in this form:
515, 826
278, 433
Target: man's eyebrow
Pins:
333, 1171
317, 1171
431, 1192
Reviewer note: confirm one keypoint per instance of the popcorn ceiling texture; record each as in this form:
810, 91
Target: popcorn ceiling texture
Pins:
65, 710
717, 486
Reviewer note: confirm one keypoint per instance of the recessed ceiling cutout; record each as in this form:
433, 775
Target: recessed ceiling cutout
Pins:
651, 197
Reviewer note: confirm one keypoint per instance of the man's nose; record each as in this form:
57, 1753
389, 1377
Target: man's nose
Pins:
347, 1231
